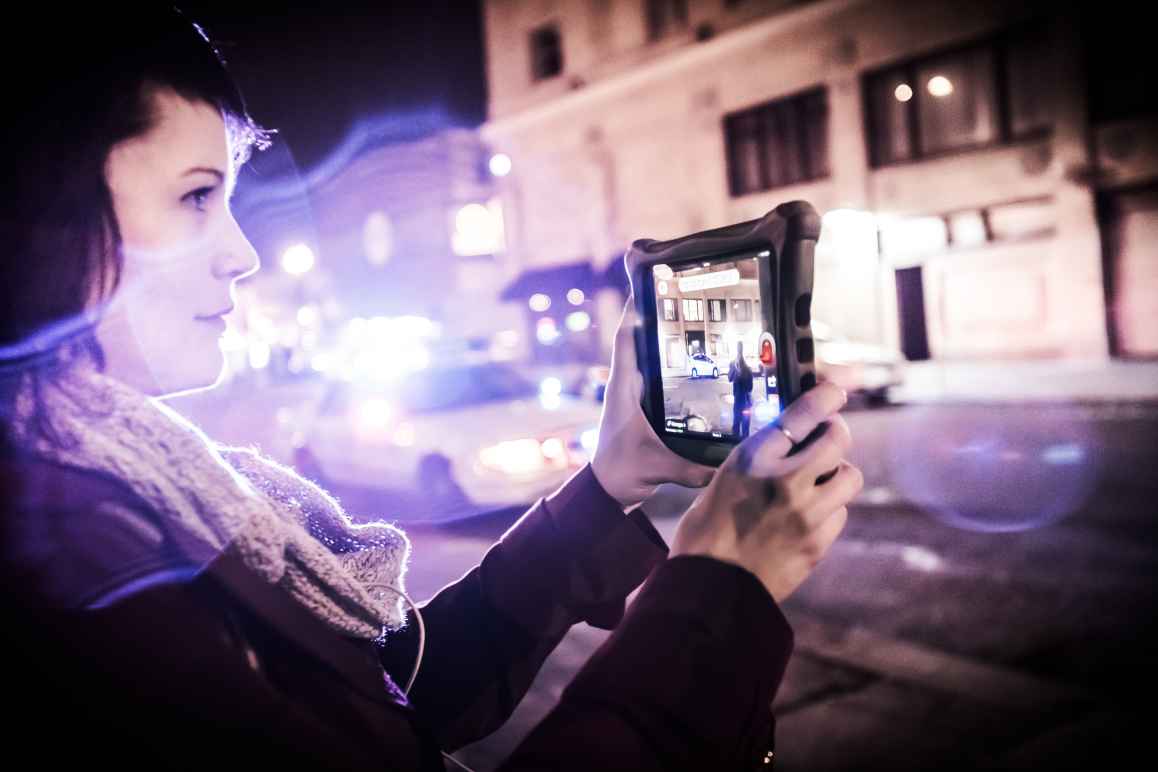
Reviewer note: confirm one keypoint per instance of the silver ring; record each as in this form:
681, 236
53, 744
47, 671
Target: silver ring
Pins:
788, 434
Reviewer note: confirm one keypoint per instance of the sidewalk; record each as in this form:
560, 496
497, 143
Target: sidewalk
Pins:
1029, 381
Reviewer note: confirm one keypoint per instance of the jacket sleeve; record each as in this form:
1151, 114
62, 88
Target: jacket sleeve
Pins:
685, 682
574, 556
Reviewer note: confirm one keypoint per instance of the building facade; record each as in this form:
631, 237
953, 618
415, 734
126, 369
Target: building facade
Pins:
977, 203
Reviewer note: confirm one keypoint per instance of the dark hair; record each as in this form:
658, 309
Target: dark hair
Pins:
89, 88
740, 362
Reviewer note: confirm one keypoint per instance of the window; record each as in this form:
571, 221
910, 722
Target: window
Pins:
716, 311
669, 310
742, 310
1031, 218
908, 238
1029, 73
665, 16
546, 52
988, 93
914, 236
693, 310
780, 143
957, 102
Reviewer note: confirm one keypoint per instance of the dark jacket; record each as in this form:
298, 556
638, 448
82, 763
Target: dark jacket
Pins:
741, 378
129, 647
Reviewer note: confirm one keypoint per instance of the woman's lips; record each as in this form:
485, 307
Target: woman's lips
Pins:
216, 321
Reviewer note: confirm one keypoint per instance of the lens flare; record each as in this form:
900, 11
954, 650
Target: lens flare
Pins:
993, 469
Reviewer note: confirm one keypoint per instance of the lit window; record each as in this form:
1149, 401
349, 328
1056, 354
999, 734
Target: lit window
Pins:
914, 236
967, 229
955, 101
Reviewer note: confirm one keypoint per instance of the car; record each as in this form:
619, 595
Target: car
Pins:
456, 440
859, 368
702, 365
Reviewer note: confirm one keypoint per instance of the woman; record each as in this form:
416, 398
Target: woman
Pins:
741, 377
176, 604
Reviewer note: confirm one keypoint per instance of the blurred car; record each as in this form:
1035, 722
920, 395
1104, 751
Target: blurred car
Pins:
702, 365
858, 368
473, 437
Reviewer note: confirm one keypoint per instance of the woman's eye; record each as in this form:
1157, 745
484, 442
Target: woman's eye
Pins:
199, 197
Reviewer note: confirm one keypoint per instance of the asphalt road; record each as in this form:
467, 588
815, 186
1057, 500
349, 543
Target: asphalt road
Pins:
975, 612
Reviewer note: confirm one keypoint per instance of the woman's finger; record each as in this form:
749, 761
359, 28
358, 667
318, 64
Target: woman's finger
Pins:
835, 493
811, 409
819, 457
767, 446
830, 446
827, 531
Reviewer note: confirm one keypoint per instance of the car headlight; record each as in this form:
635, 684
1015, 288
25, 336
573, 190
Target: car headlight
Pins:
525, 456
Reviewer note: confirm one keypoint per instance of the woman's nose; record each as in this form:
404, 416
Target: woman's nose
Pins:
236, 257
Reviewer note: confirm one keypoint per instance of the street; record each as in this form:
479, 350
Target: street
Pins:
711, 399
926, 638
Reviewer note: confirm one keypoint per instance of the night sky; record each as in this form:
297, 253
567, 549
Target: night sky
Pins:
313, 73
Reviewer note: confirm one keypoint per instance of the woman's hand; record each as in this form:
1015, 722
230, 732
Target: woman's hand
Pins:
764, 510
630, 460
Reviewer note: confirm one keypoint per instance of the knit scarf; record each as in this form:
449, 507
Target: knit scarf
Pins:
285, 528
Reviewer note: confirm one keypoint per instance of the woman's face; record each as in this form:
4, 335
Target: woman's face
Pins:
183, 251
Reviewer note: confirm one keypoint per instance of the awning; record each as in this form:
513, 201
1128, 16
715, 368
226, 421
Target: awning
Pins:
553, 281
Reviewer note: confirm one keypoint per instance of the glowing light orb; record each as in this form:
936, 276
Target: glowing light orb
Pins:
992, 469
500, 164
940, 86
297, 260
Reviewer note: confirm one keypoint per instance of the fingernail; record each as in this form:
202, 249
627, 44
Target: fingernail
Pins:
844, 393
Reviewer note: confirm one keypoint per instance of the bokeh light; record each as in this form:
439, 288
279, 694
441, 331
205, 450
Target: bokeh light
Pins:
980, 471
500, 164
298, 259
940, 86
547, 331
578, 321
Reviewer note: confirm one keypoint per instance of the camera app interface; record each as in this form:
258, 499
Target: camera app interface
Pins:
718, 362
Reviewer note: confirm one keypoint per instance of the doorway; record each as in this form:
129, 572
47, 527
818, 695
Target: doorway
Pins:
695, 339
911, 310
1129, 225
